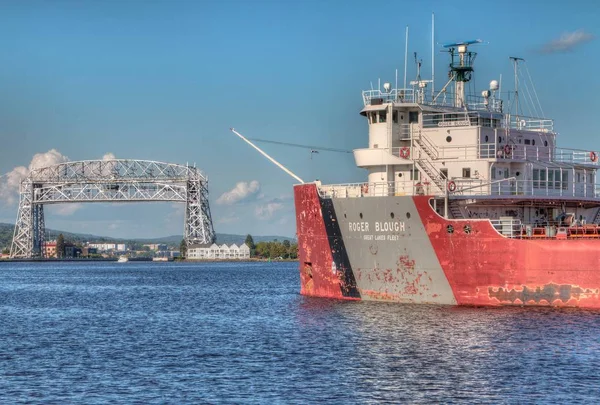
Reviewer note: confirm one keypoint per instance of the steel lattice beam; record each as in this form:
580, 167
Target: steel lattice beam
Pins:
117, 180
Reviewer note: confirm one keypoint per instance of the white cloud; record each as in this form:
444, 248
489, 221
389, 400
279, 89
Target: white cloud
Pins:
10, 183
567, 42
229, 219
64, 209
109, 156
242, 191
52, 157
266, 211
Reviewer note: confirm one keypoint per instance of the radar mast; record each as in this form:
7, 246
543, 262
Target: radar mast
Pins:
461, 68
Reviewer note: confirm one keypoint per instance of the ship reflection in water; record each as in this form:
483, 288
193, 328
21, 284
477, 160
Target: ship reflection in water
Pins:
240, 332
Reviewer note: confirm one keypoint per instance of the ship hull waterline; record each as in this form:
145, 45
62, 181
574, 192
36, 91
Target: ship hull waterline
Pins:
399, 249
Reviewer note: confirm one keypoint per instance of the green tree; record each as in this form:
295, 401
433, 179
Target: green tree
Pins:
183, 248
286, 245
60, 246
262, 250
294, 251
5, 251
250, 243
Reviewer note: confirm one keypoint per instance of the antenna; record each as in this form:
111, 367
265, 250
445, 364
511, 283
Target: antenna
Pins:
405, 56
515, 61
432, 55
282, 167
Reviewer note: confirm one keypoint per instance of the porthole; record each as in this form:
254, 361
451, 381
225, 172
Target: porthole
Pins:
360, 215
518, 173
486, 138
545, 143
408, 215
392, 215
345, 215
499, 139
399, 174
450, 229
533, 141
448, 139
467, 229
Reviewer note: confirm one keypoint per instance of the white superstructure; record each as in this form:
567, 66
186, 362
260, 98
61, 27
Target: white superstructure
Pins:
469, 151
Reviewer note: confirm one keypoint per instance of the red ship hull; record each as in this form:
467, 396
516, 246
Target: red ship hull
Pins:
353, 249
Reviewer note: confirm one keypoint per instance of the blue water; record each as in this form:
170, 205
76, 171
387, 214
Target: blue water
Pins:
240, 333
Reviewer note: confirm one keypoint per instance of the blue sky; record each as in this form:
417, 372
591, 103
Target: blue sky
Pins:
164, 80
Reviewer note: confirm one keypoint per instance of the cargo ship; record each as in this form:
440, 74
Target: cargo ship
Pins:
467, 201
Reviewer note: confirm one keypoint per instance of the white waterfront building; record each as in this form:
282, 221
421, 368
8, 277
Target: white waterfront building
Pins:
103, 247
215, 251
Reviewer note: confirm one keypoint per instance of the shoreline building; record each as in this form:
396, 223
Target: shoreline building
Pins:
215, 251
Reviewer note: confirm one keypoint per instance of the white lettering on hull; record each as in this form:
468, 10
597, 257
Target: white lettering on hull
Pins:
359, 226
386, 230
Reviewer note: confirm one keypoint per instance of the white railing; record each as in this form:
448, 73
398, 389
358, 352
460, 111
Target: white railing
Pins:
564, 155
530, 123
401, 132
510, 227
378, 189
535, 188
463, 187
371, 97
528, 152
445, 99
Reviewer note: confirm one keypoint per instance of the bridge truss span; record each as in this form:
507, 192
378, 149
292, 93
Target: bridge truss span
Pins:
117, 180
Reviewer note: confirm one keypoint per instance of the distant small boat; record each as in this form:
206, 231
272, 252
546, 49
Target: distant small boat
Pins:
122, 259
160, 259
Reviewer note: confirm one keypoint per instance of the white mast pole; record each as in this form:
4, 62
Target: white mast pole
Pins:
432, 55
282, 167
405, 56
396, 85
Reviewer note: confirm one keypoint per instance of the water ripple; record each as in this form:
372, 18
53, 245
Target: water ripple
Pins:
240, 333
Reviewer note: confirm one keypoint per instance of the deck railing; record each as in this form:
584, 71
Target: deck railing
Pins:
445, 99
463, 188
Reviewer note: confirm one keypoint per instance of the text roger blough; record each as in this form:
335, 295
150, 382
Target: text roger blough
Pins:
383, 226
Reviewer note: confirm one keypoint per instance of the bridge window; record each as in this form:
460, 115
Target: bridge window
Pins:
444, 173
395, 117
382, 116
466, 172
413, 116
527, 141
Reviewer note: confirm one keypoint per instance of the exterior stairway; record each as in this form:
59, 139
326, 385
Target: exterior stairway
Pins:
597, 217
431, 172
424, 163
426, 145
455, 209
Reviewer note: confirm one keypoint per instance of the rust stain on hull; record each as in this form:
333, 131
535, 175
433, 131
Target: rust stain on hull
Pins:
549, 294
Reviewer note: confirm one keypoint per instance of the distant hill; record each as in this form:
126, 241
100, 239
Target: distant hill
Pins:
7, 230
